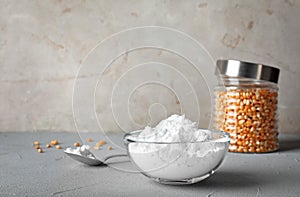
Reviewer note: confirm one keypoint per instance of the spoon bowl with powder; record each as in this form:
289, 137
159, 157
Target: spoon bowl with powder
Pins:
83, 155
176, 151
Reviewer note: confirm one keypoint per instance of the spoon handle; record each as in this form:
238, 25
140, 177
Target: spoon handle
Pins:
112, 156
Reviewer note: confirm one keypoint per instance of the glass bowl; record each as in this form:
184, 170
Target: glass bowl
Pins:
177, 162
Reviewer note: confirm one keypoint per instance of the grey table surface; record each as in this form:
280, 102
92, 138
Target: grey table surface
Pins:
25, 172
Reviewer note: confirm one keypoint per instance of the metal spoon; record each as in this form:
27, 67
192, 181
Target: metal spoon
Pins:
91, 160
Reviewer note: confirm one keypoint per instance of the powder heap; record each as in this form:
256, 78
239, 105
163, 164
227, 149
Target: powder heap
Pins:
82, 150
174, 129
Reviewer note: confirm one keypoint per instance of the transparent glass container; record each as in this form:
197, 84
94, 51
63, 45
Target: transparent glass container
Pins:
245, 106
177, 163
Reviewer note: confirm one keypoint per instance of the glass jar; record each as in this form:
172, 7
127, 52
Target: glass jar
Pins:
245, 105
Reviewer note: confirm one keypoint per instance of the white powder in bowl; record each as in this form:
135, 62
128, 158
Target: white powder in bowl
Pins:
174, 129
176, 150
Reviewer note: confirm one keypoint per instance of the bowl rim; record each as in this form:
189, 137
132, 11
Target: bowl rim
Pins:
225, 138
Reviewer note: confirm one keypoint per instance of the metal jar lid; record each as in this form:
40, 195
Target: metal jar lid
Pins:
236, 68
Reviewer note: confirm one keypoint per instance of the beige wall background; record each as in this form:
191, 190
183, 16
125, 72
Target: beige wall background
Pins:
43, 43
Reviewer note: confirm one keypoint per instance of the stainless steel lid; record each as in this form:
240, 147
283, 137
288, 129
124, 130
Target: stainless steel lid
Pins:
236, 68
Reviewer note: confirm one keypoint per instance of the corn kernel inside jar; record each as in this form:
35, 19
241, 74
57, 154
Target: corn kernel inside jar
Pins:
245, 105
249, 115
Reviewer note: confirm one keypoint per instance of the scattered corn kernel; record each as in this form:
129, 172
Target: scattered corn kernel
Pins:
58, 147
101, 143
110, 148
96, 148
36, 143
90, 139
54, 142
37, 147
76, 144
48, 145
40, 150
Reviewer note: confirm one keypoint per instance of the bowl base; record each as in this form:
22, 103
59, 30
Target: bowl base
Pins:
182, 182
